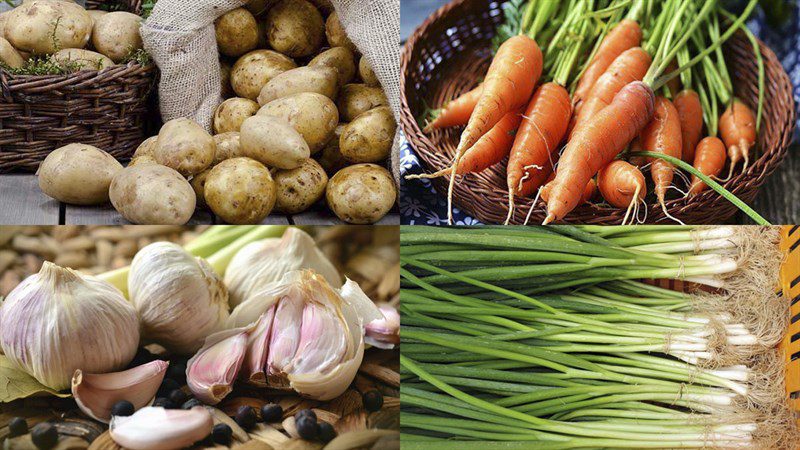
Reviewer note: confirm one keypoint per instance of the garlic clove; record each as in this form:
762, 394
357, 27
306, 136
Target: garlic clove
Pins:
161, 429
323, 340
327, 386
96, 394
385, 332
211, 373
257, 350
284, 338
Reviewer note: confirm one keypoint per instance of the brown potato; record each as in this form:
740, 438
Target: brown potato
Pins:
78, 174
237, 32
273, 142
298, 189
240, 191
199, 185
361, 194
225, 79
319, 79
356, 99
295, 28
31, 27
257, 7
367, 74
231, 113
331, 158
336, 34
253, 70
369, 137
228, 146
116, 34
184, 146
152, 194
313, 115
146, 148
9, 55
82, 59
341, 59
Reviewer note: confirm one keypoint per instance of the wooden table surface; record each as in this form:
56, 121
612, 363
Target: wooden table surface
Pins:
23, 203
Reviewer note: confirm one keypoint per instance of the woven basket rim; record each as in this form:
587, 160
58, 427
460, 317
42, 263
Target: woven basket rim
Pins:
744, 185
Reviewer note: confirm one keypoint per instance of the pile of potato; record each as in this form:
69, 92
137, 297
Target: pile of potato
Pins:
304, 118
74, 38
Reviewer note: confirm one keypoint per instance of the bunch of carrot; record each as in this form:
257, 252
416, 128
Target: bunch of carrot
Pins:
653, 76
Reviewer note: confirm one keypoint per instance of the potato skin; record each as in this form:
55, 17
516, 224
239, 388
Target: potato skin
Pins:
256, 7
184, 146
253, 70
341, 59
337, 36
319, 79
356, 99
299, 188
84, 59
31, 26
225, 79
228, 146
237, 32
361, 194
152, 194
198, 183
116, 34
273, 142
367, 74
78, 174
331, 158
240, 191
369, 137
9, 55
145, 152
295, 28
313, 115
232, 112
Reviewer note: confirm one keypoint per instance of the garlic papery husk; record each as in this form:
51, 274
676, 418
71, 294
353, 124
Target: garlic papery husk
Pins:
317, 338
211, 373
384, 332
263, 262
179, 298
58, 321
96, 394
154, 428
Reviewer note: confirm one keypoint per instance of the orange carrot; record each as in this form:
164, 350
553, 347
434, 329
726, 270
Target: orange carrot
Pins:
709, 159
457, 111
588, 191
544, 125
626, 34
636, 146
690, 112
663, 135
622, 186
737, 126
593, 146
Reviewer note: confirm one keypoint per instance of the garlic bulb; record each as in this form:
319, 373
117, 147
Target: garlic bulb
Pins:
179, 298
58, 321
263, 262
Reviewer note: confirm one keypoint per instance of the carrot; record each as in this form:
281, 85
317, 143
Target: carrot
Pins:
625, 35
622, 186
663, 135
589, 191
457, 111
709, 159
542, 129
737, 126
596, 144
690, 113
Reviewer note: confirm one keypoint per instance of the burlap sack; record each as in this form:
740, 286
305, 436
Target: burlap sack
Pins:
179, 35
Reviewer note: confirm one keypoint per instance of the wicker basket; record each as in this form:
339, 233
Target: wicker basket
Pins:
449, 54
107, 109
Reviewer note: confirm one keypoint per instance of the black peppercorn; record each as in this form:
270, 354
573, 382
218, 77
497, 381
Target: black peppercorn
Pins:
326, 432
271, 413
191, 403
167, 386
164, 403
17, 427
246, 417
177, 372
122, 408
44, 436
373, 400
305, 412
221, 434
306, 427
178, 397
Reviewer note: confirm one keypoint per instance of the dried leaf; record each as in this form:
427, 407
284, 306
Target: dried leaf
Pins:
16, 384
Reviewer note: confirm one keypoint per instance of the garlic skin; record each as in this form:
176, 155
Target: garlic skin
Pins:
154, 428
96, 394
261, 263
384, 333
179, 298
58, 321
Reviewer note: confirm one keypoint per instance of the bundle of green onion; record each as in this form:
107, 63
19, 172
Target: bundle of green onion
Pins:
543, 338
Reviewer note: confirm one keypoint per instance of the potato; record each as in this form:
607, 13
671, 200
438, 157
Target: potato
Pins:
144, 159
325, 6
228, 146
78, 174
361, 194
314, 116
237, 32
198, 183
341, 59
295, 28
3, 20
232, 112
320, 79
96, 14
31, 27
356, 99
257, 7
253, 70
116, 34
152, 194
273, 142
300, 188
367, 74
184, 146
369, 137
9, 55
240, 191
146, 148
336, 34
79, 59
331, 158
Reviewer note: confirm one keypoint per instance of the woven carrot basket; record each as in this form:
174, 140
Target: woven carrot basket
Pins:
107, 109
449, 54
